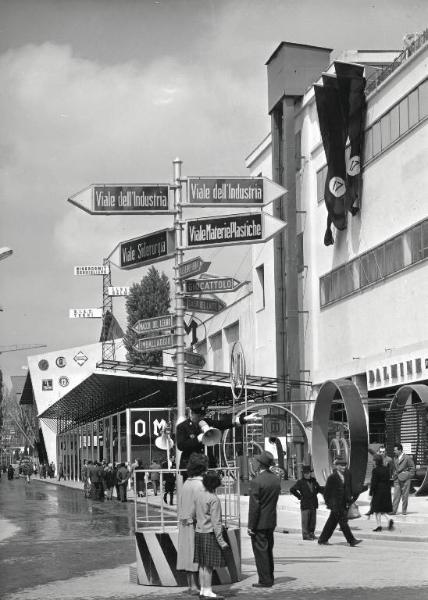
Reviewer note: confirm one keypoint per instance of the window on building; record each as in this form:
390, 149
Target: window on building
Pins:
394, 255
300, 257
321, 177
423, 100
424, 249
368, 145
385, 128
217, 351
404, 116
377, 139
298, 150
401, 251
413, 108
395, 123
418, 365
394, 371
232, 335
260, 289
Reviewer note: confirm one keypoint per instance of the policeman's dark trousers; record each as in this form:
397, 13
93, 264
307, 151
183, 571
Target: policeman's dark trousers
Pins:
262, 543
309, 521
336, 518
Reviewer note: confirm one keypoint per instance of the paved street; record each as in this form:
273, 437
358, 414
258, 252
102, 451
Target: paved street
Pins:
56, 544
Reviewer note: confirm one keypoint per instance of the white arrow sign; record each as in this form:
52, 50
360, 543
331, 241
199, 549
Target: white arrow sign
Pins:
124, 198
246, 228
232, 191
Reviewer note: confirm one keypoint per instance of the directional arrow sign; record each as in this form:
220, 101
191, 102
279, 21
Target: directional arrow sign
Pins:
232, 229
159, 342
193, 267
118, 290
144, 250
232, 191
222, 284
193, 358
85, 313
203, 305
154, 324
119, 199
92, 270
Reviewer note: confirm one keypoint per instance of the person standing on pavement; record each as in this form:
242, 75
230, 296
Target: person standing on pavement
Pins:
196, 466
338, 498
155, 476
403, 473
264, 493
209, 540
169, 482
110, 480
306, 490
60, 472
380, 491
122, 480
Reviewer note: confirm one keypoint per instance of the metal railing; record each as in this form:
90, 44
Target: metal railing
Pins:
152, 512
405, 54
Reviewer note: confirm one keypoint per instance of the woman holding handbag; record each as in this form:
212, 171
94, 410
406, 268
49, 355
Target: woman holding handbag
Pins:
380, 491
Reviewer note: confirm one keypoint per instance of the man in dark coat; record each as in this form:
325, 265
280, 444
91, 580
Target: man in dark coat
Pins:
189, 434
306, 490
338, 498
264, 493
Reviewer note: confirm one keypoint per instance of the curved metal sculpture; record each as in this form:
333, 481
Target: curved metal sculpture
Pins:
399, 403
358, 434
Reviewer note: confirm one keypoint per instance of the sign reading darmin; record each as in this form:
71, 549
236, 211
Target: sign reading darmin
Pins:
226, 230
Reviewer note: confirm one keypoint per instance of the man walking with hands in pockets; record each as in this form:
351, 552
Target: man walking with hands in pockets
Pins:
264, 492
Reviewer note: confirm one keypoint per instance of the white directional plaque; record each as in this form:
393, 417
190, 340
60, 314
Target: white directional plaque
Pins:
92, 270
118, 290
120, 199
232, 191
85, 313
154, 324
232, 229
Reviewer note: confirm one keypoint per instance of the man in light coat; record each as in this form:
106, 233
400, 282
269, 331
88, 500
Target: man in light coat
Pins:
403, 473
264, 493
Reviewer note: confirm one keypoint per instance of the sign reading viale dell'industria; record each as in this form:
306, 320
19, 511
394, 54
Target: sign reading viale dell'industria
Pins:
230, 229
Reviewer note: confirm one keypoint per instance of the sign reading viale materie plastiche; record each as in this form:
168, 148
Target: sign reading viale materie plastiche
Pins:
231, 229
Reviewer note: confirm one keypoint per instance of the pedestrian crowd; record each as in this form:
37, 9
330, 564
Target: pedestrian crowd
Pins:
102, 480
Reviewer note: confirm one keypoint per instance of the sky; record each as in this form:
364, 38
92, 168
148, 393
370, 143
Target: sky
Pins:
109, 91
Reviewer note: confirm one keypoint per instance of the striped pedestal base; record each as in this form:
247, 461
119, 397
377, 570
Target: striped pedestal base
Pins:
157, 559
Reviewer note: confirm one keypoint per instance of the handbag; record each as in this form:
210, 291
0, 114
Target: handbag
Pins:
354, 511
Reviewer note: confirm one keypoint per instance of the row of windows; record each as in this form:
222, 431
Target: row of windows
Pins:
396, 254
394, 124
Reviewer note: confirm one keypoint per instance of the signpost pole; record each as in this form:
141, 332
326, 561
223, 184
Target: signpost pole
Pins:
179, 307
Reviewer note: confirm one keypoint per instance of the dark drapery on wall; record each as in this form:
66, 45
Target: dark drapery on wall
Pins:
340, 103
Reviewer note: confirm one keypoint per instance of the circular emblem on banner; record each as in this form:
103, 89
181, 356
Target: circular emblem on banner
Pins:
60, 362
64, 381
43, 365
237, 370
354, 166
337, 187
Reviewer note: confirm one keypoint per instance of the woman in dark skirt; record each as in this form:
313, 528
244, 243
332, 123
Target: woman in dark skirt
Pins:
209, 541
380, 491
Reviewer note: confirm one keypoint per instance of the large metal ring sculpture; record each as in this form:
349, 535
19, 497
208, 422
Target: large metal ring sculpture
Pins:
399, 402
358, 434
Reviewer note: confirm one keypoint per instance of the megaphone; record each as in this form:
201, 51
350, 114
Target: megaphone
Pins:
211, 435
164, 441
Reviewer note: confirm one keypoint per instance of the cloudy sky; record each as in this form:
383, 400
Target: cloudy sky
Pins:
112, 91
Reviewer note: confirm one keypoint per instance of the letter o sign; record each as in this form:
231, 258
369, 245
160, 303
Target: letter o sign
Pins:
140, 428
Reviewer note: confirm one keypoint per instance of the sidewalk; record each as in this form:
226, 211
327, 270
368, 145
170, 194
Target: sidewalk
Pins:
412, 527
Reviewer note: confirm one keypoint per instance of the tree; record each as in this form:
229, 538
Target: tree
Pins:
149, 298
